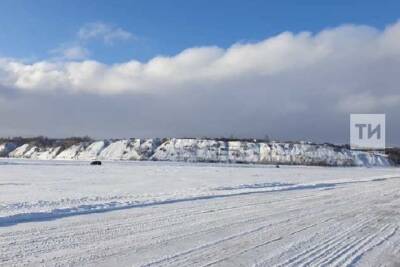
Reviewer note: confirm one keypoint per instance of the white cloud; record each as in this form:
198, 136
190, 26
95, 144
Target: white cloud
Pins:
77, 49
73, 52
336, 60
108, 33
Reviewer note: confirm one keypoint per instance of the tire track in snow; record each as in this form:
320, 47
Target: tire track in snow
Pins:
172, 257
332, 255
235, 248
389, 191
355, 259
355, 250
318, 249
264, 243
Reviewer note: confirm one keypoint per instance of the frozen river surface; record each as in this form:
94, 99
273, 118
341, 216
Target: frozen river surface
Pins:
174, 214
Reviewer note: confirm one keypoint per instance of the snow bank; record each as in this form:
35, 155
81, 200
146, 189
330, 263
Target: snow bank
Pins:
202, 150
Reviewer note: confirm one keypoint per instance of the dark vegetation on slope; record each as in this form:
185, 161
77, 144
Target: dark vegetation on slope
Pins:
394, 155
43, 141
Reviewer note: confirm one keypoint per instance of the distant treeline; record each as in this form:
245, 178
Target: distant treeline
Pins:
45, 141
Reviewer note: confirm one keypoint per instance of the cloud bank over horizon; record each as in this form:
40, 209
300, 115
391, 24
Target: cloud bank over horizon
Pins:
289, 86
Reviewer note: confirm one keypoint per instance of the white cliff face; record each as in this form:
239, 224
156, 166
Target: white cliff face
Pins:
92, 151
246, 152
71, 152
212, 151
285, 153
44, 153
120, 150
202, 150
192, 150
195, 150
20, 151
147, 147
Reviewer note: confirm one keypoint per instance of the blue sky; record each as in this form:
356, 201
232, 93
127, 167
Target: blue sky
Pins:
31, 29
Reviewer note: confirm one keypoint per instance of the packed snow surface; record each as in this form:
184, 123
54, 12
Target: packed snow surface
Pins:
68, 213
200, 150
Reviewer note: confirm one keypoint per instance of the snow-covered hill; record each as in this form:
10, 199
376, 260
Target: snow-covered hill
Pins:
200, 150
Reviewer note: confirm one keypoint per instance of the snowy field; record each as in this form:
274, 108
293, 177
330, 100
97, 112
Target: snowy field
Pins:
181, 214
